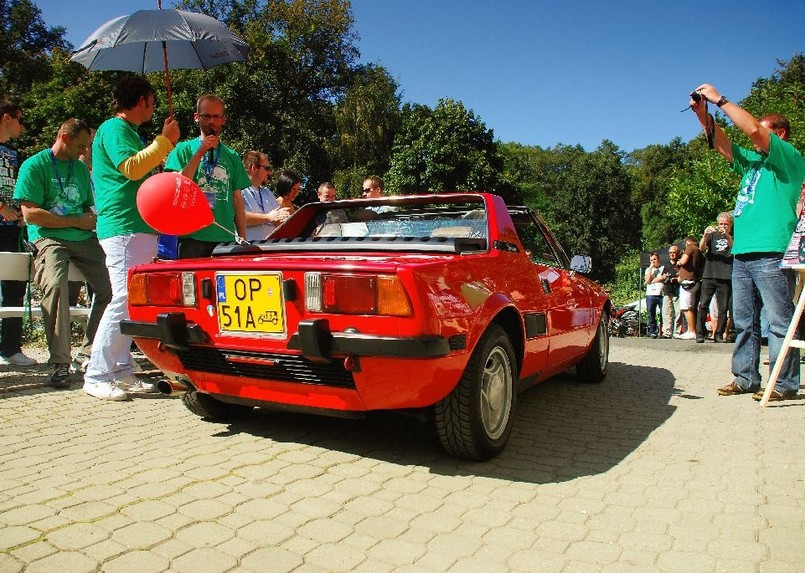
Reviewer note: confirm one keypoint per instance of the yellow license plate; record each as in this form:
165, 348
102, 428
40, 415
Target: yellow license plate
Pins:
250, 303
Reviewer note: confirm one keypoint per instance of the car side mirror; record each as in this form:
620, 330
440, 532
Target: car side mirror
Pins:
581, 264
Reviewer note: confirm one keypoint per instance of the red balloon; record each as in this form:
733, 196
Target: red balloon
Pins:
173, 204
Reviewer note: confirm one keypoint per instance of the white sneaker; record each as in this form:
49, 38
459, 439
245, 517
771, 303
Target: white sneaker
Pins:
105, 391
18, 359
134, 385
687, 336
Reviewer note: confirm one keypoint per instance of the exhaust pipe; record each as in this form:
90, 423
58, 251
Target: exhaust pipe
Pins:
173, 386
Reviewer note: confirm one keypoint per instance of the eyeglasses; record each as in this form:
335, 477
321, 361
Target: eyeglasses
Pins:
209, 116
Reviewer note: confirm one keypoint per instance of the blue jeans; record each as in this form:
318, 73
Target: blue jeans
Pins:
653, 304
758, 279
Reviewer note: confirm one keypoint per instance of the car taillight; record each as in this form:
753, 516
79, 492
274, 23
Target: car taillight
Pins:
356, 294
162, 289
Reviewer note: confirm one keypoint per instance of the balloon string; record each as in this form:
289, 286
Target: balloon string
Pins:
224, 228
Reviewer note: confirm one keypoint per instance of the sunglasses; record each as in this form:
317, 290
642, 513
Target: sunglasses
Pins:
19, 119
369, 188
266, 167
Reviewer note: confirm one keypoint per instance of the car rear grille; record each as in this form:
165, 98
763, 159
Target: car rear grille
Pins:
266, 366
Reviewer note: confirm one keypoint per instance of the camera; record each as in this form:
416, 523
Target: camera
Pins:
696, 96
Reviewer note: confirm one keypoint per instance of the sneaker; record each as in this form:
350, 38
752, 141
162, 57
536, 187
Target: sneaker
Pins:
687, 336
105, 391
61, 376
18, 359
133, 385
732, 389
775, 396
79, 364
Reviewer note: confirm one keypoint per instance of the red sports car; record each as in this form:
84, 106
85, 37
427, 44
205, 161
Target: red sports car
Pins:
446, 304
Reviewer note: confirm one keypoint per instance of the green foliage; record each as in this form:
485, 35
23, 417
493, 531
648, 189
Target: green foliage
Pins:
446, 149
652, 169
367, 120
584, 197
626, 285
25, 46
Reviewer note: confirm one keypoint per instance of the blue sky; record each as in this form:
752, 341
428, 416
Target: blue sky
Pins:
545, 72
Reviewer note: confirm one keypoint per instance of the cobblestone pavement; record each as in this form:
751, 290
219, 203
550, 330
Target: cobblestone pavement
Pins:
648, 471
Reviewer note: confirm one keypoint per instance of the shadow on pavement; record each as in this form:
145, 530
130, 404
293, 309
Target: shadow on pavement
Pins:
563, 429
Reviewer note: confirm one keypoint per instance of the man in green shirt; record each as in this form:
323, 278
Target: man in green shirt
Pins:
121, 162
765, 216
219, 172
54, 191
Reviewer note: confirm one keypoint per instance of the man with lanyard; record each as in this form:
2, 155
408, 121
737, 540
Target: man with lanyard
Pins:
54, 190
120, 164
263, 213
219, 172
13, 292
765, 216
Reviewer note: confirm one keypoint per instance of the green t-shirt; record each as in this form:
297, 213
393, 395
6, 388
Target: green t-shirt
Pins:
226, 176
766, 205
61, 187
115, 194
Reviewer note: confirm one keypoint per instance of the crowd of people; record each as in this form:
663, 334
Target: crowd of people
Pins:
694, 285
54, 207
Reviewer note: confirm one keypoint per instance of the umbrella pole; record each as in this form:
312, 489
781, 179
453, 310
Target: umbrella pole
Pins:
168, 79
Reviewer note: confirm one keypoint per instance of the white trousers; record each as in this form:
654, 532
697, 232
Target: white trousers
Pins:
111, 351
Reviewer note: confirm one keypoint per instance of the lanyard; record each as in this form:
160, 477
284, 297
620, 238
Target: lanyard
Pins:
209, 168
56, 171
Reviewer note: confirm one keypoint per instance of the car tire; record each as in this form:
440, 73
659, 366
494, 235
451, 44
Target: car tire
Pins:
209, 408
475, 420
593, 367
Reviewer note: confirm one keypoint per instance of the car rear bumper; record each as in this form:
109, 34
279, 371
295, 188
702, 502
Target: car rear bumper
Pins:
313, 339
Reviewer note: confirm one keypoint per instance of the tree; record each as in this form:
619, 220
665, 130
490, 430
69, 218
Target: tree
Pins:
281, 100
367, 120
584, 197
25, 46
652, 169
446, 149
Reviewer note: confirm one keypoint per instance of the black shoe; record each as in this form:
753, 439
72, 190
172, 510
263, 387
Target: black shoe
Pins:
700, 339
61, 376
718, 338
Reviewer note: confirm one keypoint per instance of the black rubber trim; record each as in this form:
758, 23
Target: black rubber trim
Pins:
317, 343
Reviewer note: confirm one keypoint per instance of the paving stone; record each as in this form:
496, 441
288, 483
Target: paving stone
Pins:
205, 559
140, 561
663, 476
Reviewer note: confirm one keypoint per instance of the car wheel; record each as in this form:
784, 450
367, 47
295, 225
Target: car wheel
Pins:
209, 408
475, 420
593, 367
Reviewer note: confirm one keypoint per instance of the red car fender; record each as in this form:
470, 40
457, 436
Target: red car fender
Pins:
497, 307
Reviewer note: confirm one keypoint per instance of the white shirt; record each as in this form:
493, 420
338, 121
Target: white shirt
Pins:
259, 200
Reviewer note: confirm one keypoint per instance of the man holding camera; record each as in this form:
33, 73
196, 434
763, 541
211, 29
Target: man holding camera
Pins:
671, 316
764, 218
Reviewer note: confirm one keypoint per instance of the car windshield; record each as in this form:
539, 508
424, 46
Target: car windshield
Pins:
449, 220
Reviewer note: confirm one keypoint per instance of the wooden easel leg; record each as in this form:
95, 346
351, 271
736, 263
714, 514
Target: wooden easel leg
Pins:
787, 341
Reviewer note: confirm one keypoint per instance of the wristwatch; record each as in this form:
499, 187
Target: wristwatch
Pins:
722, 101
